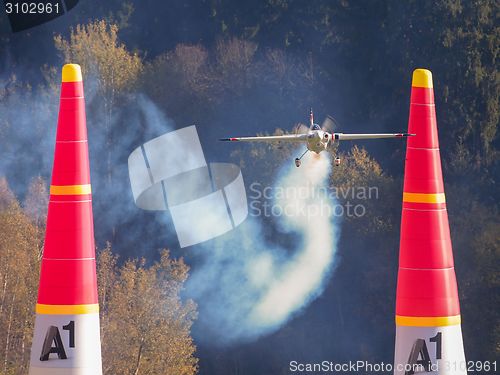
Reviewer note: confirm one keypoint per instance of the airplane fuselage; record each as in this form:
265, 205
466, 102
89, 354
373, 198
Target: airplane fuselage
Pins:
318, 140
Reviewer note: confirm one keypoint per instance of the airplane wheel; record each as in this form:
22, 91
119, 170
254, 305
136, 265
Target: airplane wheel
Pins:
297, 162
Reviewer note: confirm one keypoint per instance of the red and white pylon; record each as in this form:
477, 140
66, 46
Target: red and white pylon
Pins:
67, 339
428, 332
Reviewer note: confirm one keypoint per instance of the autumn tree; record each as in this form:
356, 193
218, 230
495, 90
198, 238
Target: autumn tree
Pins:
97, 49
472, 37
19, 269
180, 81
235, 59
360, 179
145, 324
7, 197
36, 201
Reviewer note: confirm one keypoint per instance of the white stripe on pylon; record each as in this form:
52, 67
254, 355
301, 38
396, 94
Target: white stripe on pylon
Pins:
80, 340
443, 345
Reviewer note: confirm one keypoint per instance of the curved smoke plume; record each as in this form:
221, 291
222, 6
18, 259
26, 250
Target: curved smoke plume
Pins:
246, 286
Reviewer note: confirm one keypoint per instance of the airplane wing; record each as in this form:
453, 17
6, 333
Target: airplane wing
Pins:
272, 138
348, 137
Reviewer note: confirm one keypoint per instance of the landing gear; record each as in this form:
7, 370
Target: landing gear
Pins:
337, 161
297, 160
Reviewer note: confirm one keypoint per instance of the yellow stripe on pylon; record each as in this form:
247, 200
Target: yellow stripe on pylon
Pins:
431, 321
66, 309
70, 189
424, 198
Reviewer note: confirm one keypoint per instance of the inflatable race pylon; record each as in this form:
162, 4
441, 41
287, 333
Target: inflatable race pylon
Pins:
428, 331
66, 338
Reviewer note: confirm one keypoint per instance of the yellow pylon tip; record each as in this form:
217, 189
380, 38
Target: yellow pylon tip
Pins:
71, 73
422, 78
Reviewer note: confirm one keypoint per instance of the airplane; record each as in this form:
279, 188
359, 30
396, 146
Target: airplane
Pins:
317, 138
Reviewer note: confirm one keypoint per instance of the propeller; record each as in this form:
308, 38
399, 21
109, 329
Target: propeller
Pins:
300, 129
329, 124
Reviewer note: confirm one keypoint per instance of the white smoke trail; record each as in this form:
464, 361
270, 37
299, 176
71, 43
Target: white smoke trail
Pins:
292, 284
247, 287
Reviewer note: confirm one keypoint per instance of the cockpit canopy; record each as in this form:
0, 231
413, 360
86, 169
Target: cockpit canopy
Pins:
315, 127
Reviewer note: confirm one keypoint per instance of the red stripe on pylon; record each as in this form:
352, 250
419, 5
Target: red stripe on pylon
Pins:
425, 240
70, 233
72, 90
427, 292
71, 113
422, 111
423, 171
422, 95
68, 282
71, 164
